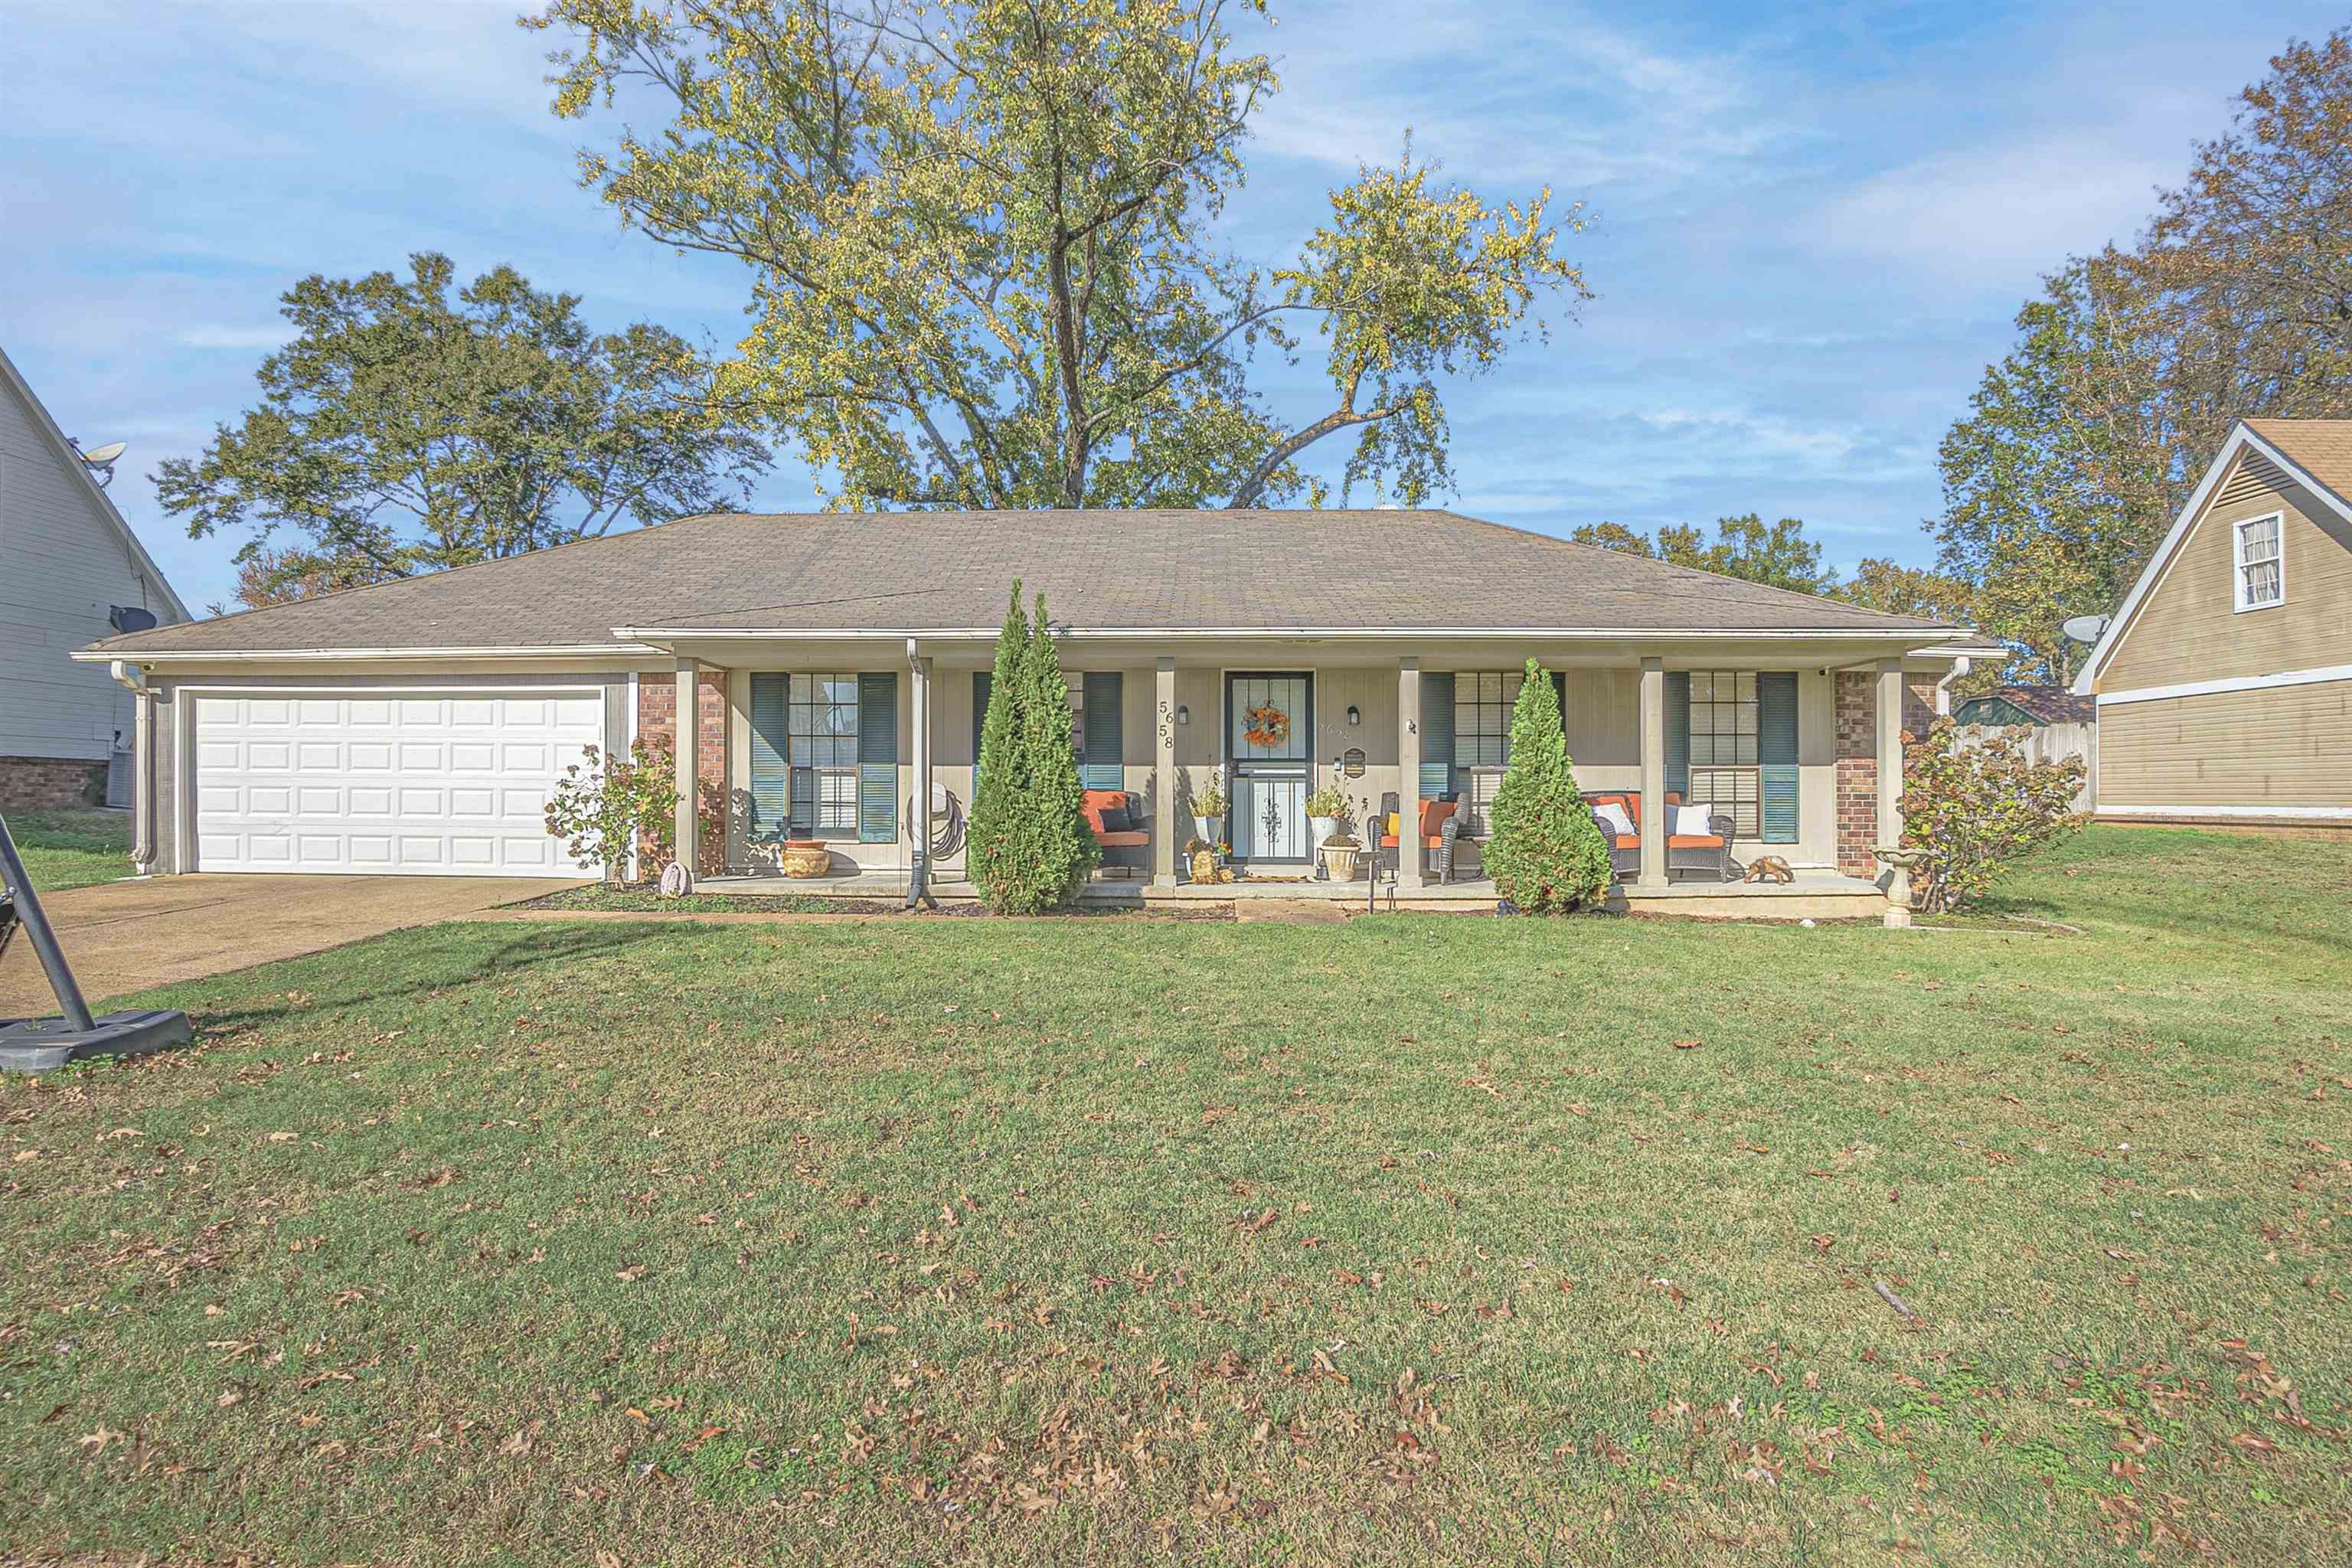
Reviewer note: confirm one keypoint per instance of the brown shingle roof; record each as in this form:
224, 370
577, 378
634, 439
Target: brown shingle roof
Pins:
2050, 704
942, 572
2321, 447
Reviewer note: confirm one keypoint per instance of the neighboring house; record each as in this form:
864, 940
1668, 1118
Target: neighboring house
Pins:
2224, 686
2006, 705
70, 567
832, 660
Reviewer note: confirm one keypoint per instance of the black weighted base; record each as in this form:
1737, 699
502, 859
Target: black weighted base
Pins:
45, 1045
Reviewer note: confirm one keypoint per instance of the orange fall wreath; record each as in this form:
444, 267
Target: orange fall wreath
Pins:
1268, 725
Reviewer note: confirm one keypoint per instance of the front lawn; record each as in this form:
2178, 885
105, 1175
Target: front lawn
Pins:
1418, 1239
72, 847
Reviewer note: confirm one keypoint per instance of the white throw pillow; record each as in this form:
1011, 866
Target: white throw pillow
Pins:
1692, 819
1614, 815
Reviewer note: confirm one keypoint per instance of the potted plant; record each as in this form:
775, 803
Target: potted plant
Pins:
1339, 853
1209, 808
1324, 808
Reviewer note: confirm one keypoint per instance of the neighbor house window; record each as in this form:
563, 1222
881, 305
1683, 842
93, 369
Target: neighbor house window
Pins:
1723, 753
2261, 570
1482, 701
823, 728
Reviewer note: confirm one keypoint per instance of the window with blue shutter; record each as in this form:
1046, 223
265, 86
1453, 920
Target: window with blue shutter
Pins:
877, 757
1106, 758
1678, 690
1436, 781
1776, 753
771, 752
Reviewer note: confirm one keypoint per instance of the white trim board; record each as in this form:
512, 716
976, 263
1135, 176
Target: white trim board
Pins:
2234, 683
2160, 564
2278, 812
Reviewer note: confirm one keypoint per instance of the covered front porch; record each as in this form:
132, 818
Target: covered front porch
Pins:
871, 757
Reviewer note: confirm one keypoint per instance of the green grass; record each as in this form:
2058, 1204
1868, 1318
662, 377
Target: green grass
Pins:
72, 847
1414, 1240
641, 899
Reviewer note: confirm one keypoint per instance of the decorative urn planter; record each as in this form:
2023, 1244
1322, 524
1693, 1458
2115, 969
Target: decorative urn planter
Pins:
1209, 826
806, 857
1318, 828
1341, 860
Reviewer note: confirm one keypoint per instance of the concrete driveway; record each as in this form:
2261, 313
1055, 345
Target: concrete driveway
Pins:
126, 936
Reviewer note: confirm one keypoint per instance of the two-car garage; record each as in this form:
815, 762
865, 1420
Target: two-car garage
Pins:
426, 780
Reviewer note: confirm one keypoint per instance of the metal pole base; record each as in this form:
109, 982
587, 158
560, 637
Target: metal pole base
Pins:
45, 1045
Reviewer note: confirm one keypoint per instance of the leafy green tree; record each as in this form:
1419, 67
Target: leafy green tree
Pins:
1028, 843
983, 249
402, 431
1545, 851
2081, 445
1743, 546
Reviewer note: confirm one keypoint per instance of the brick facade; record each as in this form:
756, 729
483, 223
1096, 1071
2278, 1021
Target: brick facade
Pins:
41, 784
657, 728
1857, 762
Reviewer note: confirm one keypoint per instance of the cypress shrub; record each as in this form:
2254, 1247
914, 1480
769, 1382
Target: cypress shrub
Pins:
1544, 850
1028, 846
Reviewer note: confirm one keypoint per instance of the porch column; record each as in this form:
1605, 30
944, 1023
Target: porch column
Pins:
1890, 752
1656, 821
1408, 776
920, 669
685, 756
1165, 833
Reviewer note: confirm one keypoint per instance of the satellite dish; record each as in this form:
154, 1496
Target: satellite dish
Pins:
2086, 628
100, 460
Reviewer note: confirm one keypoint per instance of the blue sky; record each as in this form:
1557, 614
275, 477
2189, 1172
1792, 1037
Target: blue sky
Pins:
1814, 223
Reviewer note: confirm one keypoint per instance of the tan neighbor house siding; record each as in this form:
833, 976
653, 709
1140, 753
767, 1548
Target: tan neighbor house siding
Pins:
2188, 628
2285, 747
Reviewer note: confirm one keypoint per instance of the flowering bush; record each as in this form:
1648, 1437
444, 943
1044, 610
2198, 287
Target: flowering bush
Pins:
601, 808
1974, 810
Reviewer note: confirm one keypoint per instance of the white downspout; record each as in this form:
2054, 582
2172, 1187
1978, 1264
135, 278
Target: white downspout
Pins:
142, 764
918, 681
1960, 667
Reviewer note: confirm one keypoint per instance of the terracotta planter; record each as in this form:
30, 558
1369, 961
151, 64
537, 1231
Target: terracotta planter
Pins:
806, 857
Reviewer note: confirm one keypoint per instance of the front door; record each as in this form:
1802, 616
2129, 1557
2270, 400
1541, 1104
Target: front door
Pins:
1269, 727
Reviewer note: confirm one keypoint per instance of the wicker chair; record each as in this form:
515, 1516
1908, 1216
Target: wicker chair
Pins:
1441, 822
1709, 852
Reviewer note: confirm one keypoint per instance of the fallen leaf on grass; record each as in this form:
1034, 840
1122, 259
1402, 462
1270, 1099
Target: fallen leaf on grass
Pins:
1685, 1044
630, 1273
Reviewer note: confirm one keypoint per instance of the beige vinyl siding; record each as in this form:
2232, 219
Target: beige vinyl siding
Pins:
2276, 747
2189, 629
62, 564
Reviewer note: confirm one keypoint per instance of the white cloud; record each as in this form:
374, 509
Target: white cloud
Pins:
212, 335
1991, 213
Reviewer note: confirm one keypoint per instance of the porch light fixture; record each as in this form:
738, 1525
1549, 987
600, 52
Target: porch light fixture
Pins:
1355, 714
1183, 714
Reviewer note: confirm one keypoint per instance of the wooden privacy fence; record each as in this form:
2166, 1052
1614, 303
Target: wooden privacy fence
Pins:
2050, 744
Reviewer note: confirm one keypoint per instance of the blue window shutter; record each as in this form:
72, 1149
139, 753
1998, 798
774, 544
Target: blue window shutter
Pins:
1436, 781
983, 682
770, 772
1106, 767
1776, 749
877, 757
1678, 733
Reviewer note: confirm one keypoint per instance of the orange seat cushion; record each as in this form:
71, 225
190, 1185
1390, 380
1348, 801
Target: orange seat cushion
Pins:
1434, 816
1092, 802
1629, 841
1115, 840
1387, 840
1691, 841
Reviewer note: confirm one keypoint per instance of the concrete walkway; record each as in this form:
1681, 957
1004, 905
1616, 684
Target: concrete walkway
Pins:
126, 936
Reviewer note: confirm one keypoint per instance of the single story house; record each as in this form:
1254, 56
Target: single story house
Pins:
834, 668
70, 570
2224, 695
2035, 705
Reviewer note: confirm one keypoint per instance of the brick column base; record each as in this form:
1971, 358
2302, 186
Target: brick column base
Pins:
657, 728
1857, 763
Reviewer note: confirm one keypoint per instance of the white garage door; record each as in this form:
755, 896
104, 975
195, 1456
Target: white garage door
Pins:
413, 781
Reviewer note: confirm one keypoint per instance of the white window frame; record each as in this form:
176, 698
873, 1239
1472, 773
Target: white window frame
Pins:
2239, 600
